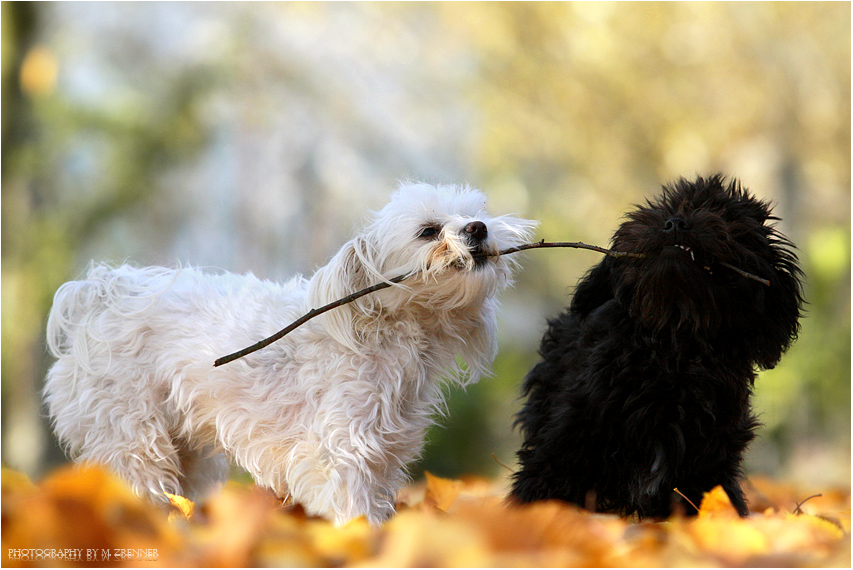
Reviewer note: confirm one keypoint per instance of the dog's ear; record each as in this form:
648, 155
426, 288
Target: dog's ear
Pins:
783, 301
347, 272
594, 289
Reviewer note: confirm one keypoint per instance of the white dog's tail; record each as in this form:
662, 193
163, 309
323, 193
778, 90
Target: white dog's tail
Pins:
78, 305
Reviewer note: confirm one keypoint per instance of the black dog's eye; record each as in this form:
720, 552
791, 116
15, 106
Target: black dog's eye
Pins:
429, 232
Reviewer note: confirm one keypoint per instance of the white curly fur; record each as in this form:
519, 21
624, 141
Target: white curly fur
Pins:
331, 414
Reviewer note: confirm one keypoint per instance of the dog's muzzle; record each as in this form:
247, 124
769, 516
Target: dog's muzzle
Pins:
476, 234
476, 231
677, 227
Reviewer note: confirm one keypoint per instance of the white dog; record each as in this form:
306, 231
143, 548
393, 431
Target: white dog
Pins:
329, 415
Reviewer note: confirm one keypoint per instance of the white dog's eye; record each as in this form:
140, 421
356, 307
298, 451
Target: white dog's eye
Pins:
429, 232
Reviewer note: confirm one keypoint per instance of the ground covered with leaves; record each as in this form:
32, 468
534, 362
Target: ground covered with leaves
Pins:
87, 517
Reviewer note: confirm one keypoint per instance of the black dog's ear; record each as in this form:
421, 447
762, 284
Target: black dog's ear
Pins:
783, 307
594, 289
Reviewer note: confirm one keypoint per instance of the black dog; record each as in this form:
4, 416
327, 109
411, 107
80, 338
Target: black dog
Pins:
645, 381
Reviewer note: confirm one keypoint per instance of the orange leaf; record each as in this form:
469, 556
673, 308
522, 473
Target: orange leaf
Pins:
415, 539
441, 492
716, 502
182, 504
237, 519
88, 516
730, 541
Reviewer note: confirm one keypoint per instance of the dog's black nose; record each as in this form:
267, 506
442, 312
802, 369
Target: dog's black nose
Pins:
477, 230
675, 224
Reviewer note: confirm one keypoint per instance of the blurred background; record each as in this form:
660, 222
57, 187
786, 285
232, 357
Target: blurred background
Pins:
256, 137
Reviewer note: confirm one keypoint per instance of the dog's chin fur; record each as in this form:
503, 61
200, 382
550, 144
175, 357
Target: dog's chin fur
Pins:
331, 414
645, 381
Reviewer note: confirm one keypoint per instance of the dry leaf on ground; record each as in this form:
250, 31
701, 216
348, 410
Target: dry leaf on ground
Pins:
83, 516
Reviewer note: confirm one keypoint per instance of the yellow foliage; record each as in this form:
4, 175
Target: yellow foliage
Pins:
440, 492
183, 506
83, 516
77, 515
716, 502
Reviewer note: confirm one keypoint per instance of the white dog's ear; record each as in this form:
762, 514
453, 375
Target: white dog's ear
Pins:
348, 271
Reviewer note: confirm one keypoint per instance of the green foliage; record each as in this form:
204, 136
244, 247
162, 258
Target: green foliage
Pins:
477, 432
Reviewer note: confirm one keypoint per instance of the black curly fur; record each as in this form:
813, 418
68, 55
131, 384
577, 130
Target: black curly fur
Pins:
645, 381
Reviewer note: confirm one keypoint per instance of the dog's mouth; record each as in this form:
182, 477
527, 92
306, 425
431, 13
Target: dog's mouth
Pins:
480, 256
688, 250
478, 260
700, 260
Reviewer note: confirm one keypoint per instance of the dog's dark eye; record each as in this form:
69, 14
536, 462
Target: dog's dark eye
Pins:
429, 232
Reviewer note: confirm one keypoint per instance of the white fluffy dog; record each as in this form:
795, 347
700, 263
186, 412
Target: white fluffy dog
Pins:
329, 415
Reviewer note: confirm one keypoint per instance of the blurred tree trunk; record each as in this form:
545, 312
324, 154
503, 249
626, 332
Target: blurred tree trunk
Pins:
24, 438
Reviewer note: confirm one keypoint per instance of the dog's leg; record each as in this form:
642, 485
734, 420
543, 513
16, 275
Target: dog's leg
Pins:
733, 489
150, 464
536, 480
97, 421
348, 472
356, 488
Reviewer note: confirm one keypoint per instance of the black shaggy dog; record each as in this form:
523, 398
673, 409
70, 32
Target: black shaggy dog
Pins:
645, 382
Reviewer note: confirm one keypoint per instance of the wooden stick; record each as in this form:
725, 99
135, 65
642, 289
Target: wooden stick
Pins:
307, 317
745, 274
611, 253
385, 284
574, 244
